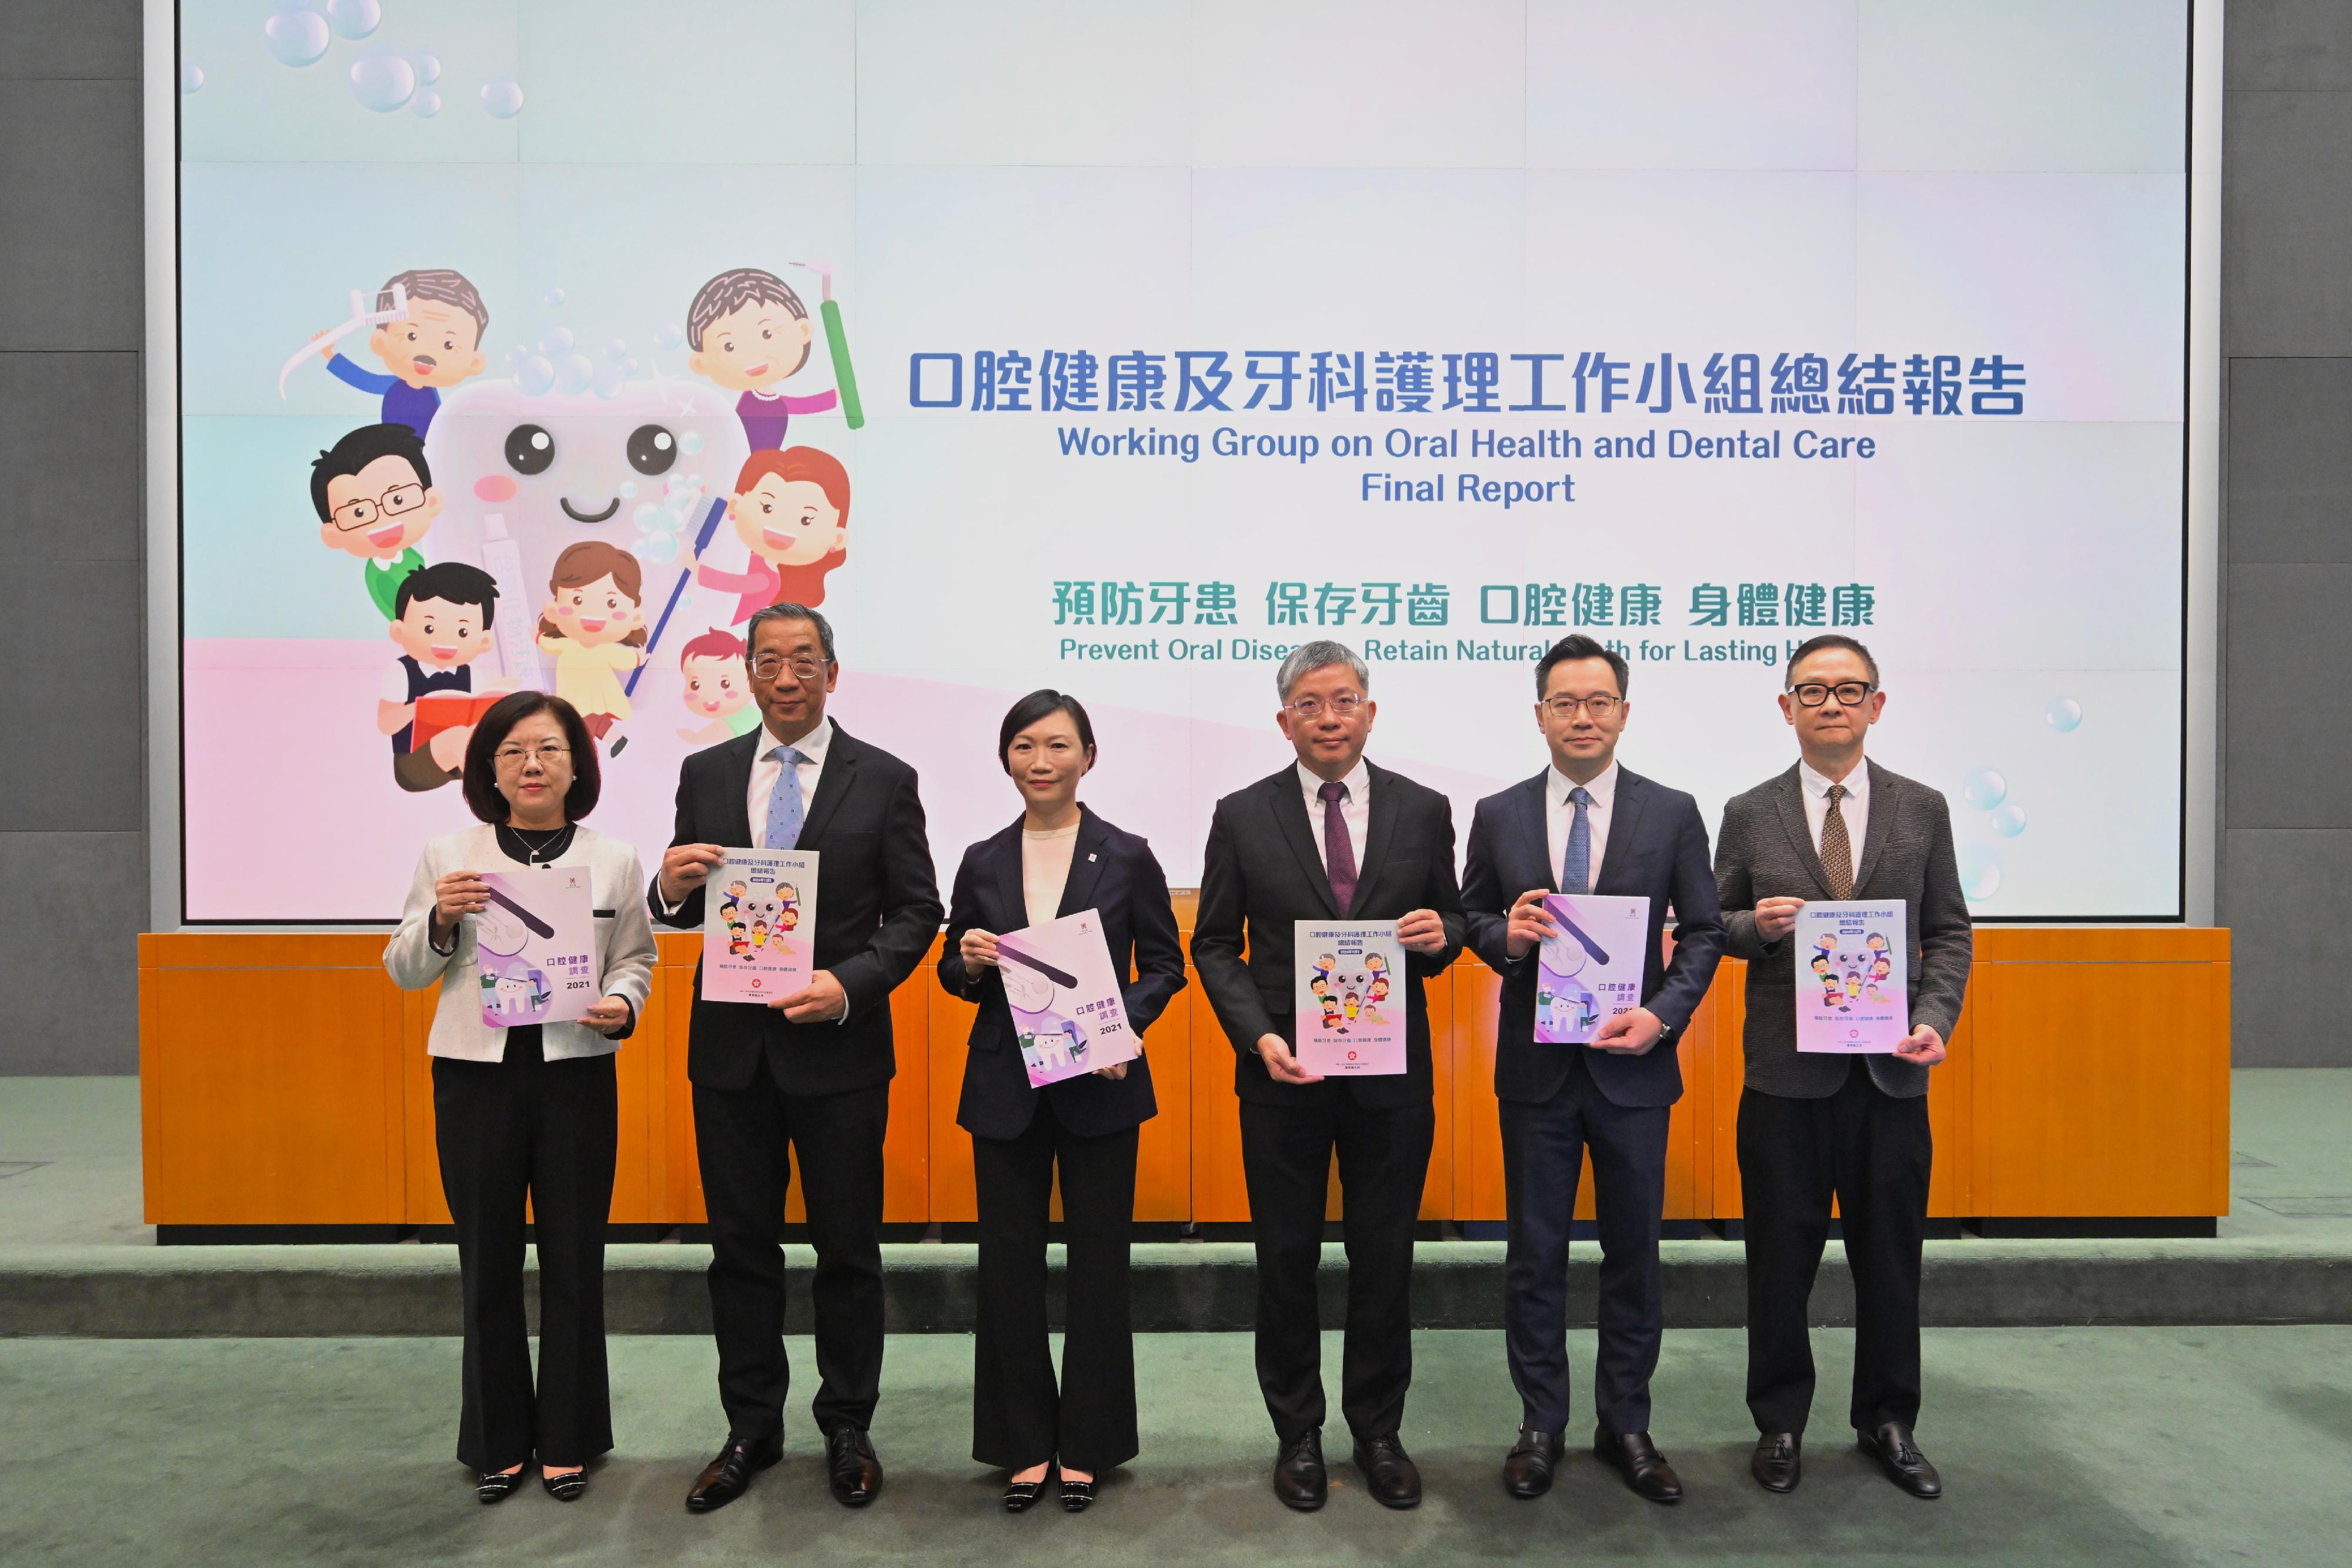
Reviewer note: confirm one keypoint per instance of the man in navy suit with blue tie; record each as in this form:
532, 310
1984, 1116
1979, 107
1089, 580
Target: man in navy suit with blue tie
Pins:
1585, 825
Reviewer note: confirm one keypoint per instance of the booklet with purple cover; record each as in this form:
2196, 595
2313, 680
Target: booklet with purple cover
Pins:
1067, 1008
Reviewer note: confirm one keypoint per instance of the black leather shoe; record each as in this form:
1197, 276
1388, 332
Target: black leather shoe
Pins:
725, 1477
1388, 1472
1299, 1480
489, 1486
568, 1487
1020, 1497
1777, 1463
1527, 1468
1076, 1496
1638, 1461
856, 1474
1900, 1458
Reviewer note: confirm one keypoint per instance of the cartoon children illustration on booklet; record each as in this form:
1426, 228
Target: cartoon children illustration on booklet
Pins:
374, 497
439, 344
594, 627
748, 332
791, 509
715, 689
441, 623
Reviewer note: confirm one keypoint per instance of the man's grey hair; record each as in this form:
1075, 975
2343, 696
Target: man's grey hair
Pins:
1310, 657
787, 610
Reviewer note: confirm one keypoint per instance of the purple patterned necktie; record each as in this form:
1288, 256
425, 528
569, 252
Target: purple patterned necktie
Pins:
1338, 851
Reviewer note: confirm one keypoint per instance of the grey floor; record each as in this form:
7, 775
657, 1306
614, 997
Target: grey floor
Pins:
2105, 1446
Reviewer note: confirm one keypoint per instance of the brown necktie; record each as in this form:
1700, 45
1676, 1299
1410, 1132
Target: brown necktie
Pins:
1837, 850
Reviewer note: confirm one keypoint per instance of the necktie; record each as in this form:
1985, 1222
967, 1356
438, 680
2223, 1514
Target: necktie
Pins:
1837, 849
1576, 865
1339, 850
783, 830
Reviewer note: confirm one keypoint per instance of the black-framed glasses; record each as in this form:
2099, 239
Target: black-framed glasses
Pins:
365, 513
1347, 705
768, 666
1813, 693
1564, 707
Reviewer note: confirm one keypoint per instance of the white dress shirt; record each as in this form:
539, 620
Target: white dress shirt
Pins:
765, 768
1046, 870
1355, 810
1559, 815
1856, 806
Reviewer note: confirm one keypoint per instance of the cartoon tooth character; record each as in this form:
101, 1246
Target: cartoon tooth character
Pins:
748, 331
717, 691
374, 493
441, 617
791, 509
515, 992
595, 624
439, 345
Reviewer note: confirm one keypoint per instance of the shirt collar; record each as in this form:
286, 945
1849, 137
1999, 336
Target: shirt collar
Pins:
813, 746
1817, 784
1603, 788
1359, 783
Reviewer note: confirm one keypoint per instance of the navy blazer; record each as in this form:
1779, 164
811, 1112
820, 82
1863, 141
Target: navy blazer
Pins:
1657, 848
1114, 873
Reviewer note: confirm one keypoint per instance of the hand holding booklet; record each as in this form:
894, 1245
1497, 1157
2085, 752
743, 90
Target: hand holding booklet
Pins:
1591, 971
758, 925
535, 948
1349, 997
1067, 1011
1853, 963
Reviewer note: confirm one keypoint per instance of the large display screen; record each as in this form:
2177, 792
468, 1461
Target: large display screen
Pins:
1119, 348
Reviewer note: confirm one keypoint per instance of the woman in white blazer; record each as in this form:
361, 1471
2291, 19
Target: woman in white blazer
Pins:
529, 1111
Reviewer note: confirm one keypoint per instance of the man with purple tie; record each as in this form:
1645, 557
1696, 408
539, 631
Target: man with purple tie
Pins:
1330, 837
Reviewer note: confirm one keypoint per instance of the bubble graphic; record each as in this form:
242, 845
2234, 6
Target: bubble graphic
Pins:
502, 96
355, 19
426, 104
616, 349
629, 491
381, 80
574, 373
296, 37
1980, 871
647, 517
667, 335
2009, 820
2064, 714
555, 342
517, 355
1984, 788
657, 549
690, 443
678, 516
428, 65
630, 365
610, 379
555, 295
535, 375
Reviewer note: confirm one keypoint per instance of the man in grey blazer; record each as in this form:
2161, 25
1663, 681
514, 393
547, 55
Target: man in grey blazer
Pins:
1836, 827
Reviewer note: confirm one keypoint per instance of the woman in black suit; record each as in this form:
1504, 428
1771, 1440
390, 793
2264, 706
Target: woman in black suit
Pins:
1057, 859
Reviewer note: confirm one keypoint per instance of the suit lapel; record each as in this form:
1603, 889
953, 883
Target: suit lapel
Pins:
1379, 829
1624, 822
1790, 797
1012, 889
833, 781
1086, 864
735, 812
1534, 830
1884, 806
1290, 804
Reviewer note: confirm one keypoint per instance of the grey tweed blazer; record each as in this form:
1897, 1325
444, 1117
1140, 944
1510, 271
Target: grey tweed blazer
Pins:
1766, 851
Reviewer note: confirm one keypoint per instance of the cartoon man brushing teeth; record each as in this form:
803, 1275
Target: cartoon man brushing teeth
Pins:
375, 499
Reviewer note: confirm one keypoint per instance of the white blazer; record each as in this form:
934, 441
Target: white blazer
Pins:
625, 943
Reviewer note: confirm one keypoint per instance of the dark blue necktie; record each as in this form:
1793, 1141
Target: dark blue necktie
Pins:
1576, 866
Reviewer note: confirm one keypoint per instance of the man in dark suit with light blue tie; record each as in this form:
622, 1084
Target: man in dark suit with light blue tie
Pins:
1586, 825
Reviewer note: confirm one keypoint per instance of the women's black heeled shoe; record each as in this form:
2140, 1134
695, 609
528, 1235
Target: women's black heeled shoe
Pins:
1076, 1496
565, 1488
1020, 1497
491, 1487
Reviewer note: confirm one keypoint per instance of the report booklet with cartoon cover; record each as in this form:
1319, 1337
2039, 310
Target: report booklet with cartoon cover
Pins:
1351, 1023
758, 925
536, 947
1067, 1008
1591, 971
1853, 977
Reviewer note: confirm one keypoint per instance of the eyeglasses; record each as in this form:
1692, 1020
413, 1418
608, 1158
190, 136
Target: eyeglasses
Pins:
1812, 694
365, 513
1347, 705
1600, 708
768, 666
549, 754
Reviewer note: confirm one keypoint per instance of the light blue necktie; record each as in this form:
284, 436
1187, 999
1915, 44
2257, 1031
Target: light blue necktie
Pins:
1576, 866
785, 805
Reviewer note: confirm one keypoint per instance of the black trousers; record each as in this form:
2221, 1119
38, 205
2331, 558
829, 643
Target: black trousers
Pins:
741, 1137
1874, 1152
546, 1130
1018, 1416
1543, 1151
1383, 1155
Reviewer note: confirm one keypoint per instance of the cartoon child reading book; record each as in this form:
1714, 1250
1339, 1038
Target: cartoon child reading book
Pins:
595, 625
438, 345
791, 509
715, 690
441, 623
375, 499
748, 331
1331, 1015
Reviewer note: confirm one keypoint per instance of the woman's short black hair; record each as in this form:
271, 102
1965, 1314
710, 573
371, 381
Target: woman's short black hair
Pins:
1032, 709
481, 784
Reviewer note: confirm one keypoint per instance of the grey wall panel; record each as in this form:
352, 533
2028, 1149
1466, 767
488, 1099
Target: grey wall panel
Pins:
2289, 648
2297, 44
2290, 946
63, 39
68, 424
70, 218
71, 908
72, 709
2290, 474
2286, 223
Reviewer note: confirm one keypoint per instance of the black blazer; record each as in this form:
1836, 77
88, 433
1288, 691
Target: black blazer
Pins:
878, 908
1657, 848
1115, 874
1261, 872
